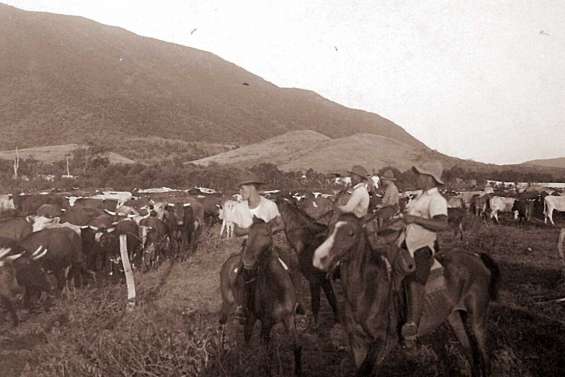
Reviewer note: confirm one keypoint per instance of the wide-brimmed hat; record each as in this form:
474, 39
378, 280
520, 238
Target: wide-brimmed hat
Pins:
250, 179
360, 171
431, 168
388, 175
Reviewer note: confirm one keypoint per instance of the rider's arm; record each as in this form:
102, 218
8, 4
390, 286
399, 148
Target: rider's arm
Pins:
438, 214
353, 201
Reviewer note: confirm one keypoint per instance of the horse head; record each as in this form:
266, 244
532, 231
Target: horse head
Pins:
259, 237
344, 236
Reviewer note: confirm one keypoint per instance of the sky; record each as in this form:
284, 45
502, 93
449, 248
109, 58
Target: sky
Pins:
481, 79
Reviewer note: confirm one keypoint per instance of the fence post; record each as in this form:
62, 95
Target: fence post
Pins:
127, 270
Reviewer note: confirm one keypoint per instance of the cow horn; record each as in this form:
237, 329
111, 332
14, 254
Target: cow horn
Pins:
41, 255
110, 230
37, 251
14, 257
93, 227
110, 212
187, 204
4, 251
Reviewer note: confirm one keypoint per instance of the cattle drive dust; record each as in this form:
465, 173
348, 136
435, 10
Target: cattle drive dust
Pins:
174, 330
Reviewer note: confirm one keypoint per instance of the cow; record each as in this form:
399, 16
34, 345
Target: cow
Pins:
50, 210
480, 205
28, 204
30, 276
211, 205
81, 216
551, 203
456, 217
524, 208
110, 245
227, 215
64, 259
154, 241
181, 222
119, 197
499, 204
8, 284
7, 206
16, 228
98, 203
468, 196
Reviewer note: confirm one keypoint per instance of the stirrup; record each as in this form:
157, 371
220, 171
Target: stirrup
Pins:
409, 333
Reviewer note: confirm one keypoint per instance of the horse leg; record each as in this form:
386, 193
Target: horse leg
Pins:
330, 296
373, 355
315, 300
456, 322
248, 328
290, 325
266, 336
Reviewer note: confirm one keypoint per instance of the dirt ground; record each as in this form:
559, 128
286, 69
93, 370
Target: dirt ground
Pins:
174, 328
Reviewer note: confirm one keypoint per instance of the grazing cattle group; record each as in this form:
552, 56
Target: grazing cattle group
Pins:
75, 239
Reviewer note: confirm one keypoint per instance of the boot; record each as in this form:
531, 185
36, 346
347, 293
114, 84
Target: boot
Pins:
248, 294
415, 305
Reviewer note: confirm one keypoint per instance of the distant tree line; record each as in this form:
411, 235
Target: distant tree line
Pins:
92, 169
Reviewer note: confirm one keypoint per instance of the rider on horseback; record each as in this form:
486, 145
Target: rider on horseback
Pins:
425, 215
358, 203
390, 203
262, 208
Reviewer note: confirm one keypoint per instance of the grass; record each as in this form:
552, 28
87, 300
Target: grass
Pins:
174, 329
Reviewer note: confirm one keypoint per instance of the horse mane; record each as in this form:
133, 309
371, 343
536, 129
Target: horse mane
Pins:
306, 220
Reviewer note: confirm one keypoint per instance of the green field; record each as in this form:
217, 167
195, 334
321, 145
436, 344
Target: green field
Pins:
174, 329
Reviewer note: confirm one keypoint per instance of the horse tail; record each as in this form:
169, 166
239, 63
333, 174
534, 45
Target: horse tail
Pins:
494, 275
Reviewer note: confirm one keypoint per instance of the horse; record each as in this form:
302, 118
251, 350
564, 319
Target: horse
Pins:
304, 234
370, 278
275, 296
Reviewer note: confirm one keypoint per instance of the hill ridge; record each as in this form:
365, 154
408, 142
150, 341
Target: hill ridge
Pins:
68, 78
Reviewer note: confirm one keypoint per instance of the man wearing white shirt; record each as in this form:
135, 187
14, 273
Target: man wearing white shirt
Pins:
358, 203
425, 216
253, 205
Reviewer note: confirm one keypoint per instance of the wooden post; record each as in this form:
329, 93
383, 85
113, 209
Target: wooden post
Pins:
16, 164
560, 250
127, 270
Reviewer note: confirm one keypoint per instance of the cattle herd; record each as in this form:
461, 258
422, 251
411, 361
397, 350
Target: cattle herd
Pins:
75, 238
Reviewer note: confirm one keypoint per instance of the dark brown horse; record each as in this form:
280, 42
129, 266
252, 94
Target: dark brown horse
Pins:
304, 234
275, 295
372, 312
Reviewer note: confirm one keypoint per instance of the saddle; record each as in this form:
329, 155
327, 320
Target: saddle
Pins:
392, 235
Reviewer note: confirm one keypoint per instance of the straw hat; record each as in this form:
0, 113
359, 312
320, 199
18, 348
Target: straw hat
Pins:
250, 179
388, 175
360, 171
431, 168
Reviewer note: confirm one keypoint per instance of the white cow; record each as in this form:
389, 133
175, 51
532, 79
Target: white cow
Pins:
501, 204
6, 202
120, 196
551, 203
228, 217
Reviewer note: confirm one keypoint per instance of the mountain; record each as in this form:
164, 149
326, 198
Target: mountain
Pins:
549, 162
67, 79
